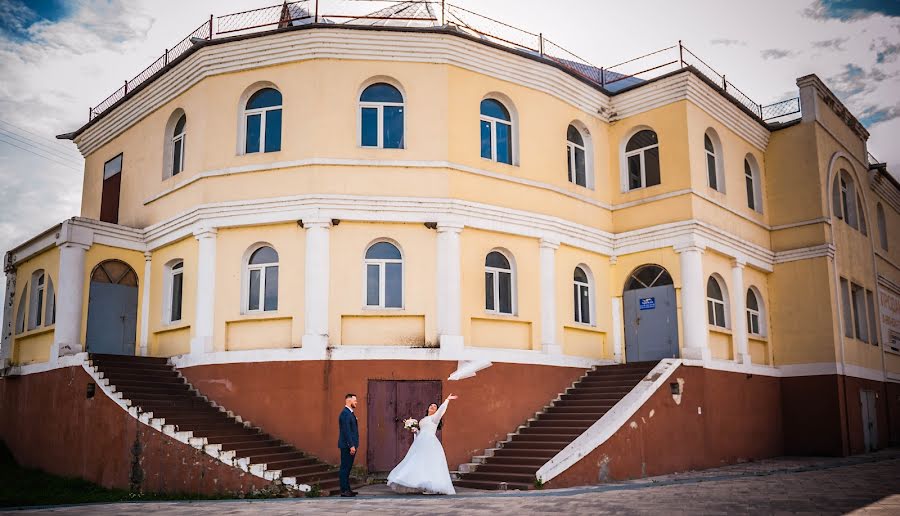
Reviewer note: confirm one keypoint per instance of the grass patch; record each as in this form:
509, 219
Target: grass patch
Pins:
22, 486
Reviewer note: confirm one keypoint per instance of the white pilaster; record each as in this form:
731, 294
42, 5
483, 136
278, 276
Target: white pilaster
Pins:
69, 300
618, 329
548, 297
145, 304
316, 284
738, 312
204, 312
693, 303
449, 278
8, 320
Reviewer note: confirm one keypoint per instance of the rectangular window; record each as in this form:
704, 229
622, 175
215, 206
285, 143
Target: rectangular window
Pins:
634, 172
39, 308
271, 294
393, 283
489, 291
254, 290
504, 143
273, 130
711, 171
369, 127
580, 167
112, 184
176, 157
177, 285
505, 293
873, 328
254, 129
373, 276
651, 166
847, 309
569, 162
751, 197
753, 323
859, 312
585, 305
393, 127
486, 140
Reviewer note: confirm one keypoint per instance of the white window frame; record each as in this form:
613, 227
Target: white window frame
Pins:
21, 322
494, 121
381, 263
178, 139
495, 275
173, 270
860, 320
715, 302
750, 172
262, 126
380, 118
36, 304
718, 160
590, 294
261, 267
758, 314
639, 152
570, 150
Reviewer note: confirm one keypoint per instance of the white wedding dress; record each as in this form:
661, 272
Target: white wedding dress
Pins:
424, 469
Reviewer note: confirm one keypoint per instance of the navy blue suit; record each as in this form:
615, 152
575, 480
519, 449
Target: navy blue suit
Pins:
348, 438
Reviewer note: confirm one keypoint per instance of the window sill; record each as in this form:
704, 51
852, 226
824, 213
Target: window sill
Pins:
719, 329
498, 162
175, 326
35, 331
760, 338
583, 327
367, 310
259, 316
498, 317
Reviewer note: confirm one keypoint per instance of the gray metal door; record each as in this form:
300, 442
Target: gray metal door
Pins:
869, 419
112, 318
651, 324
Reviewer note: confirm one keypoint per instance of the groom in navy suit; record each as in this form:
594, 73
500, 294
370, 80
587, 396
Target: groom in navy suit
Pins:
348, 442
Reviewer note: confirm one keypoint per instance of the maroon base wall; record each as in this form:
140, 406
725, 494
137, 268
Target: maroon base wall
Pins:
299, 402
722, 418
892, 395
854, 413
48, 423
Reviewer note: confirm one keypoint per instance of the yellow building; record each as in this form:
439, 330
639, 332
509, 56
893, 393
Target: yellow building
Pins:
296, 210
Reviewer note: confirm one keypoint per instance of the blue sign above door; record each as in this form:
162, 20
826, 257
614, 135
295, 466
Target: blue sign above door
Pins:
647, 303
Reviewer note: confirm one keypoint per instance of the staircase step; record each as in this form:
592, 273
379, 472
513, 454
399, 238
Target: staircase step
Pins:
535, 462
275, 457
582, 424
152, 388
318, 477
577, 395
567, 403
525, 453
128, 359
536, 445
491, 485
507, 468
262, 449
120, 371
554, 430
291, 463
583, 409
300, 470
229, 442
224, 434
520, 478
538, 437
618, 390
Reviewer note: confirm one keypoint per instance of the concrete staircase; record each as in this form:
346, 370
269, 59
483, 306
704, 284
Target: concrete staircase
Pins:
514, 462
164, 399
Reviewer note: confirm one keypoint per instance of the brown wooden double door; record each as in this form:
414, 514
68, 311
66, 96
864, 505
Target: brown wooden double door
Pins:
388, 403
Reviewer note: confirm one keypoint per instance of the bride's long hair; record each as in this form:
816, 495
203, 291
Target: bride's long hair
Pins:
441, 422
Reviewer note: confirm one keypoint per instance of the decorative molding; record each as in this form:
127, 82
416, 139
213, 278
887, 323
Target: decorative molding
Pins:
805, 253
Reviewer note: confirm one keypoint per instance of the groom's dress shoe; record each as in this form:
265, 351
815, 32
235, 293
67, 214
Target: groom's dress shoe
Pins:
347, 494
354, 493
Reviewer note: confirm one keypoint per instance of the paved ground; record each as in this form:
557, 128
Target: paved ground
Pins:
867, 484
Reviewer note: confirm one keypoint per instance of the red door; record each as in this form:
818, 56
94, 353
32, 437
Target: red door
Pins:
389, 402
112, 184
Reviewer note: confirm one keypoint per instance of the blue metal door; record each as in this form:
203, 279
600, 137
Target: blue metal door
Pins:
112, 318
651, 324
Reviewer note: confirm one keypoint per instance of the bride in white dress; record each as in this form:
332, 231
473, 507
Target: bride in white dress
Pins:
424, 469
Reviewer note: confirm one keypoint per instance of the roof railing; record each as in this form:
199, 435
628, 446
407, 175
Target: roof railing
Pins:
422, 13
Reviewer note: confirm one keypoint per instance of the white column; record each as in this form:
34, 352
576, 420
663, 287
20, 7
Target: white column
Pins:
548, 297
449, 279
204, 312
8, 319
693, 303
618, 329
69, 300
738, 312
145, 304
316, 284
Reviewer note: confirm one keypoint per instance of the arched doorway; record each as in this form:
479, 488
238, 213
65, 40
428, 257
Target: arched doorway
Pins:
651, 316
112, 309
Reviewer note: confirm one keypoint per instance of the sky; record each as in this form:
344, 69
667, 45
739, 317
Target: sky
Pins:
58, 57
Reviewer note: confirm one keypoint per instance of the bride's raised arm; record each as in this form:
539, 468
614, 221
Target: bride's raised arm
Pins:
443, 408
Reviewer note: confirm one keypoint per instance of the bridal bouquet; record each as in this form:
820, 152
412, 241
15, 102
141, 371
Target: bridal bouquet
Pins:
411, 424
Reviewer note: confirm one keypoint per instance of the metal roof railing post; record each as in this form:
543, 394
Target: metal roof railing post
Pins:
680, 55
724, 84
210, 27
443, 13
603, 77
317, 12
126, 86
166, 59
541, 42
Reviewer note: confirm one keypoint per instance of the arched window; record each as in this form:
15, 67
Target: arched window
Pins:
712, 149
846, 203
498, 284
50, 310
715, 303
262, 121
20, 312
262, 280
36, 303
178, 137
576, 157
174, 292
648, 276
755, 318
882, 226
751, 180
381, 117
496, 132
582, 299
384, 276
642, 160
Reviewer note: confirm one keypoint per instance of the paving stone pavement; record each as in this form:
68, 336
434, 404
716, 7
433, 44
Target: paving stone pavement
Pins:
865, 485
